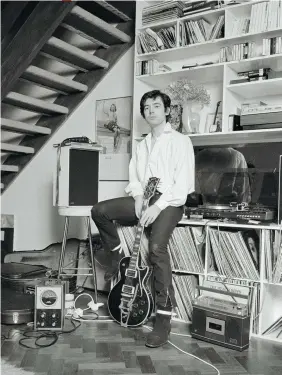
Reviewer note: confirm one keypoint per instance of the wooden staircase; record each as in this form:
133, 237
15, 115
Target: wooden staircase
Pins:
31, 30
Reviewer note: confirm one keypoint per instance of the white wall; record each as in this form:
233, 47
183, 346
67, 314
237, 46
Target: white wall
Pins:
29, 197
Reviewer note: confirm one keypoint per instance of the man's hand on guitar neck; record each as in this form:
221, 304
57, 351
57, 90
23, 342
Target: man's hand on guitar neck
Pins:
150, 215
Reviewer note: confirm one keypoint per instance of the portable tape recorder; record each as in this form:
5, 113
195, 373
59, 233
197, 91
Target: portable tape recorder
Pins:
225, 320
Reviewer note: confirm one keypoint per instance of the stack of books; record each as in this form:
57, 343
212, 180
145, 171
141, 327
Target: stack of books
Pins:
162, 11
261, 117
251, 75
193, 7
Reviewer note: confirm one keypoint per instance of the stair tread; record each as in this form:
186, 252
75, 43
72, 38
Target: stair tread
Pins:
95, 27
65, 52
34, 104
9, 147
45, 78
114, 10
23, 128
9, 168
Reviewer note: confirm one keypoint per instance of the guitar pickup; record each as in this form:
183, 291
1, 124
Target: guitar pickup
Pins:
128, 289
131, 273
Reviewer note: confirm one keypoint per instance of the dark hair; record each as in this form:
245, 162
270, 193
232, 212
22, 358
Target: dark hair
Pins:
153, 95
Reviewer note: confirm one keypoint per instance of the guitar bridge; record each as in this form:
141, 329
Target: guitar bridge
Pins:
131, 273
129, 290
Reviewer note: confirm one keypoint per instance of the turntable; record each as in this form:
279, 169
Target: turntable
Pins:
233, 211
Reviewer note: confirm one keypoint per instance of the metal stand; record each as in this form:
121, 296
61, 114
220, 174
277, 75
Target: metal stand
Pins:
62, 270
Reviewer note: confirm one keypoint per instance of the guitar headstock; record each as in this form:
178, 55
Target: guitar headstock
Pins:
151, 187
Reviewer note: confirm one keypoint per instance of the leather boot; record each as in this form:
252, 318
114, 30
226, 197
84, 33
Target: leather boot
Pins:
112, 269
160, 334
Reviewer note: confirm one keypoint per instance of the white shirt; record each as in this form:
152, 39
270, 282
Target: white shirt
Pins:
172, 160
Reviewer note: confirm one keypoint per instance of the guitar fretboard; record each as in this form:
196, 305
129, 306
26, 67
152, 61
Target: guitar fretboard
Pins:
137, 242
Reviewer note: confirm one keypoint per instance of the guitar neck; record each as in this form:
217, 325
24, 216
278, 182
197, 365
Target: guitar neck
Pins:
137, 242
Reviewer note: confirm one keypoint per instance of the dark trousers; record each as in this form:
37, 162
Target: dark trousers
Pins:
122, 210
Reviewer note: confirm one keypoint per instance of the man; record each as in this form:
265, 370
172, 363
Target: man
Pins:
168, 155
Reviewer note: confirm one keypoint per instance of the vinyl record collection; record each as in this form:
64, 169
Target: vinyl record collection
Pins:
232, 256
185, 290
186, 249
273, 258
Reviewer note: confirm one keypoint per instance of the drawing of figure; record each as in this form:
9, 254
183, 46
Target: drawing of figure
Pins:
112, 124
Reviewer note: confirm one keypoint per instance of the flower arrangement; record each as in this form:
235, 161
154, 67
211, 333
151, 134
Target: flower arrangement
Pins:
183, 90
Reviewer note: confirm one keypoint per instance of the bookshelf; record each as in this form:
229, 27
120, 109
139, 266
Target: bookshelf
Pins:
216, 77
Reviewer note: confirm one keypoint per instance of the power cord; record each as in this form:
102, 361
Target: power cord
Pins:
37, 335
79, 316
183, 351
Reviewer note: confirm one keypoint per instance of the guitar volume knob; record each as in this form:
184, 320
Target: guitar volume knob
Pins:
141, 312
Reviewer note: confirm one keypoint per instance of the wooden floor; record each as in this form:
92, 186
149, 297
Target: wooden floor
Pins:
106, 348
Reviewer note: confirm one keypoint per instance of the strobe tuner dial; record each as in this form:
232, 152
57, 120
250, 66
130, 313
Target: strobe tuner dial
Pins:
49, 297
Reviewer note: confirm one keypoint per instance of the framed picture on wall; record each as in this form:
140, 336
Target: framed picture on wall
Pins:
113, 124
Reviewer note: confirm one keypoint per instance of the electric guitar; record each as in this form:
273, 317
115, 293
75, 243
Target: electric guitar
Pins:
130, 302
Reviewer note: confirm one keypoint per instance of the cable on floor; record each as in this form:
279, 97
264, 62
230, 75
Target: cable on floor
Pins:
40, 335
183, 351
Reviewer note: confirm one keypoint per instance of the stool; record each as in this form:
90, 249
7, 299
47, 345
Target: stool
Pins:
77, 211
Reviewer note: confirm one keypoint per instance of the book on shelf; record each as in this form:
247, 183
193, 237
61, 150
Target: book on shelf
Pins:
262, 126
258, 109
265, 16
150, 41
271, 46
150, 67
252, 75
239, 51
161, 11
200, 31
193, 7
261, 118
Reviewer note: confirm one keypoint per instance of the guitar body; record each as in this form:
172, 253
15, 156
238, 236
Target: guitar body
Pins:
139, 306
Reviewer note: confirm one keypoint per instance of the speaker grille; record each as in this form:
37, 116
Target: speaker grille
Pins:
83, 177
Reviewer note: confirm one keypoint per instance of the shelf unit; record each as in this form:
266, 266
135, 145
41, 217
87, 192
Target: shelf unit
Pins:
216, 78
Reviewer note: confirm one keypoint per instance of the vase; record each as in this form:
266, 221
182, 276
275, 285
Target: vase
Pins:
191, 117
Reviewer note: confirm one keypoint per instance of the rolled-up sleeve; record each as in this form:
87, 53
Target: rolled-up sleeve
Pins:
184, 176
134, 187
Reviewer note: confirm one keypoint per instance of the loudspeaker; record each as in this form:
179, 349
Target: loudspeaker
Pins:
76, 177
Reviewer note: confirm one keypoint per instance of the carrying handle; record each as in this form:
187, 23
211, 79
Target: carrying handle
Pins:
231, 294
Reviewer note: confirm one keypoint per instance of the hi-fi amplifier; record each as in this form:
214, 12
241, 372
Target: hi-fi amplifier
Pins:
49, 307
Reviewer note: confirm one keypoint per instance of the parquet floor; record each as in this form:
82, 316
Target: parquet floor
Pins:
97, 348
